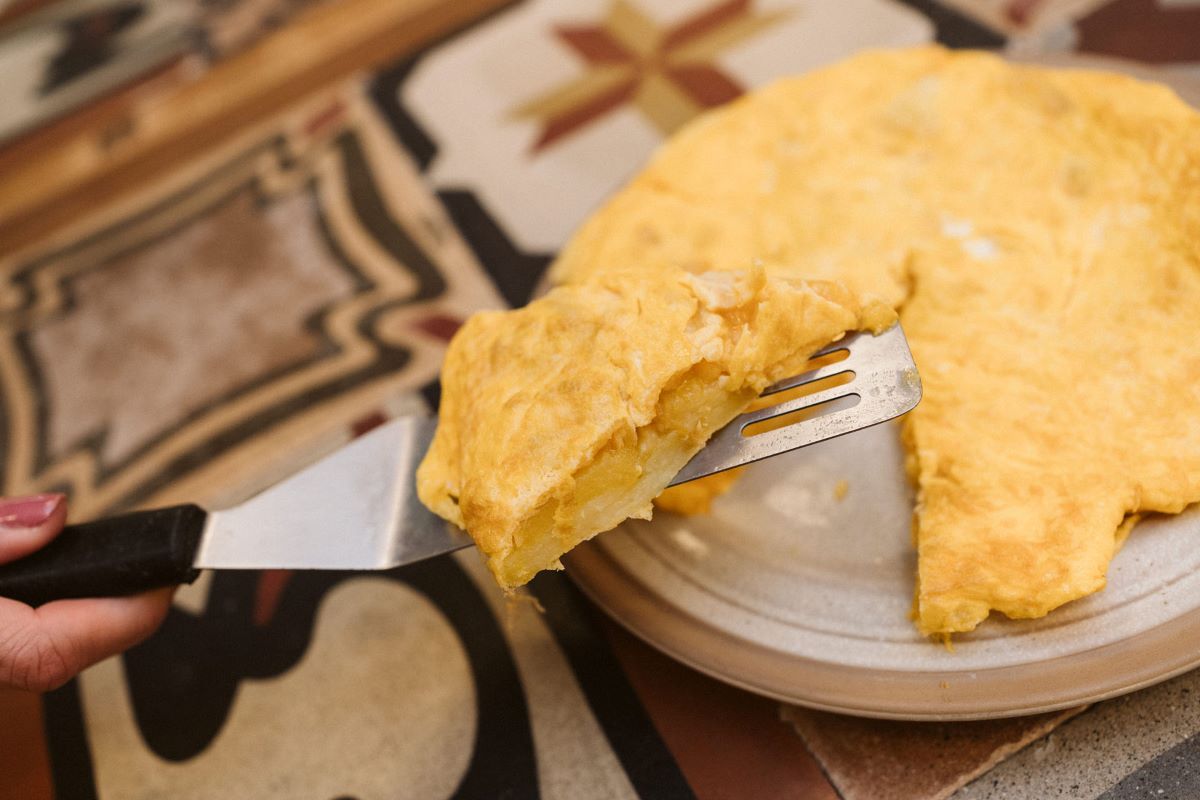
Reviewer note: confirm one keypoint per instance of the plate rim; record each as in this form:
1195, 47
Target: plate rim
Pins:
1070, 681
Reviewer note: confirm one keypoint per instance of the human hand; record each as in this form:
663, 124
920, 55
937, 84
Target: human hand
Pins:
43, 648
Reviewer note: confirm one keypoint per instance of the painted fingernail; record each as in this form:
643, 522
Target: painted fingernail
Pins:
28, 512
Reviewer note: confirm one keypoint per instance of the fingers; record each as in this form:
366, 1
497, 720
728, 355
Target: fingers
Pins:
28, 523
43, 648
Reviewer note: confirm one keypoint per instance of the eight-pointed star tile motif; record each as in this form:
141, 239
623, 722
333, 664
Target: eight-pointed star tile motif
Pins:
535, 115
666, 72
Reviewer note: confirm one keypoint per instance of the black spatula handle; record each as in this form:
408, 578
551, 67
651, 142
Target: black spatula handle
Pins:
114, 556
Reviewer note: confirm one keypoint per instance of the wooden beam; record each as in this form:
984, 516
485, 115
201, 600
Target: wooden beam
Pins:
54, 177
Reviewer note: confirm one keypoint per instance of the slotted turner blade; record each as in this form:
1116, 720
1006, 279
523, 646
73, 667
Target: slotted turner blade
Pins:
357, 508
883, 384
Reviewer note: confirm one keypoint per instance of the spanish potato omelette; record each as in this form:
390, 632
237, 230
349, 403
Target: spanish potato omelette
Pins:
1039, 232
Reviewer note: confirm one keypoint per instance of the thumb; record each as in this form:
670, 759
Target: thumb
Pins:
43, 648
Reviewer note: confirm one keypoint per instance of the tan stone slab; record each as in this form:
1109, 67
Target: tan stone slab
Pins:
870, 759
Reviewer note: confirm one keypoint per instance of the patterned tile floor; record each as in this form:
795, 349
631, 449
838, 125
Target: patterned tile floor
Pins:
254, 307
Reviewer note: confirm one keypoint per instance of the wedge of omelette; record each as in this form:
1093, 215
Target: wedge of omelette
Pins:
1039, 231
564, 418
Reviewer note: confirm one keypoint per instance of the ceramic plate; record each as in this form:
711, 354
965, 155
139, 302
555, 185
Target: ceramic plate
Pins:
790, 592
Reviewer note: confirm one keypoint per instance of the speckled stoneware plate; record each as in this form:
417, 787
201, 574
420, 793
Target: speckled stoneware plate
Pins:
790, 592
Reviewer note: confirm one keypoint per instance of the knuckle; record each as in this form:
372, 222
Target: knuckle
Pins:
33, 661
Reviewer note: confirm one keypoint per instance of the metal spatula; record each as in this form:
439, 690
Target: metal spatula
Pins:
357, 509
